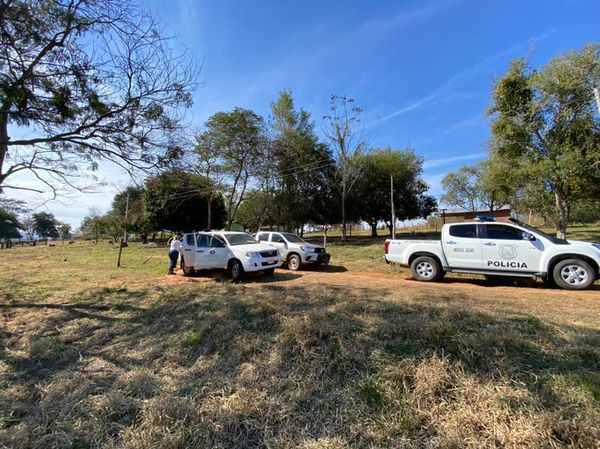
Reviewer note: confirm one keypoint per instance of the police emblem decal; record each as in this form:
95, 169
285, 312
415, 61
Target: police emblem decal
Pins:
508, 252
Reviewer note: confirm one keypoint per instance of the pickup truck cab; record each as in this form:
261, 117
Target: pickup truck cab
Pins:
491, 248
236, 252
295, 252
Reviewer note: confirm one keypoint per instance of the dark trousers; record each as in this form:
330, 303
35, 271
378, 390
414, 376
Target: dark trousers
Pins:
174, 256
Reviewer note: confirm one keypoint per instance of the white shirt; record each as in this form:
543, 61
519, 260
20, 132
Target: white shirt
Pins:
175, 245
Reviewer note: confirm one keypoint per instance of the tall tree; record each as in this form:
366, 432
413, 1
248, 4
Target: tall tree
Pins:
342, 129
64, 231
237, 142
176, 201
89, 80
304, 167
45, 225
9, 225
371, 200
484, 185
93, 224
546, 120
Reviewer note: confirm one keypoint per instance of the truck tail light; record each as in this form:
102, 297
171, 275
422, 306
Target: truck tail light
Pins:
386, 247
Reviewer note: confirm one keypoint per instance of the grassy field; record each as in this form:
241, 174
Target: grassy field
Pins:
94, 356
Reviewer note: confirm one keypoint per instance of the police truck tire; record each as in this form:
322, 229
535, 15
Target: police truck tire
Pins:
573, 274
426, 269
236, 270
294, 262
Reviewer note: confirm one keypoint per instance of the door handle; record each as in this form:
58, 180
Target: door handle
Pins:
489, 244
451, 242
200, 251
187, 249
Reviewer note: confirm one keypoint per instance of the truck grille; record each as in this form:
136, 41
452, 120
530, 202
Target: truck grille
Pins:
271, 253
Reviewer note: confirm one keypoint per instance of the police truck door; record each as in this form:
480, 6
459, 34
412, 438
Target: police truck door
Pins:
505, 249
189, 250
462, 247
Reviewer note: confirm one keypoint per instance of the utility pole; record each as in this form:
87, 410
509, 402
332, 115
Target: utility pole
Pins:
392, 204
125, 233
597, 95
124, 239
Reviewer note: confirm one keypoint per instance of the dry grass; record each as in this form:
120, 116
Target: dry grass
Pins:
94, 356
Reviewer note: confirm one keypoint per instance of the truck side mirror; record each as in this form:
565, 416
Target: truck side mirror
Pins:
528, 236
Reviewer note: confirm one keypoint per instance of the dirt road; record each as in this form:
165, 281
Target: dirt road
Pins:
534, 298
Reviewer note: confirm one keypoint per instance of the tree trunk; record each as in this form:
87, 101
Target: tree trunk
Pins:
209, 219
373, 228
3, 143
562, 210
344, 212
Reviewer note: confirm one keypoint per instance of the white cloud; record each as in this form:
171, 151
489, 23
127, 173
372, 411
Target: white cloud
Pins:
453, 84
436, 163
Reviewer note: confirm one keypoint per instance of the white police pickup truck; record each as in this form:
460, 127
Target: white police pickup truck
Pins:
492, 248
295, 252
236, 252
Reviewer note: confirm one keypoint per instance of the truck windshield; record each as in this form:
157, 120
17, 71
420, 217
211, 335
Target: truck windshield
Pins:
293, 238
239, 239
550, 237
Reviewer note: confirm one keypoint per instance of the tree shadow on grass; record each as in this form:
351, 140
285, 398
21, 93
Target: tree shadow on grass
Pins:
296, 357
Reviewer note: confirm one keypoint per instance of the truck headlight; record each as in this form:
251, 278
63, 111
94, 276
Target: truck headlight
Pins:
252, 254
308, 249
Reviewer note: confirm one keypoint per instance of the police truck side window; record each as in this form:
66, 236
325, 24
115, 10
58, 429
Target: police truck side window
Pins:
202, 241
277, 238
501, 232
465, 231
216, 243
263, 237
189, 239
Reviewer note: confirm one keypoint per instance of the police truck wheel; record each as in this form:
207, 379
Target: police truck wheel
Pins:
426, 269
187, 270
573, 274
294, 262
236, 270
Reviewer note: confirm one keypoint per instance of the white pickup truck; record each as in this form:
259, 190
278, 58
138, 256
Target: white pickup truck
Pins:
236, 252
492, 248
295, 252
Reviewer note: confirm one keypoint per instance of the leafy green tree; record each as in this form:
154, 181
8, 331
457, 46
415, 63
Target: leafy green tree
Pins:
9, 225
342, 129
546, 121
371, 197
88, 80
93, 225
485, 185
64, 231
12, 205
236, 143
305, 168
136, 220
45, 225
177, 201
255, 210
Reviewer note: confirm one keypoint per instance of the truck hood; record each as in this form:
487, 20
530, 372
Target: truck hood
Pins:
582, 244
308, 245
251, 247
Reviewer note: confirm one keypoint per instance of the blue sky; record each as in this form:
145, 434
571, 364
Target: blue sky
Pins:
421, 70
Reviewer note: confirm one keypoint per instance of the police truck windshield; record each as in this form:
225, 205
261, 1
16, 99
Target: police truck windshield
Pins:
550, 237
239, 239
